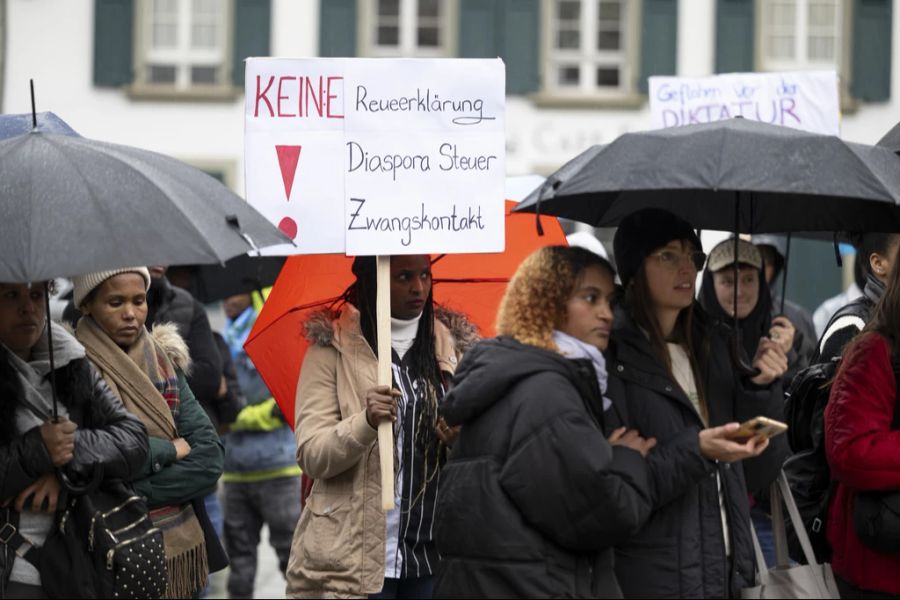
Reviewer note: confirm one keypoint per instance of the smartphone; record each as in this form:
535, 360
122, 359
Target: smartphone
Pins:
763, 426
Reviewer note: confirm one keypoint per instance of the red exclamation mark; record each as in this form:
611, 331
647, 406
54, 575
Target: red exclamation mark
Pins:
288, 157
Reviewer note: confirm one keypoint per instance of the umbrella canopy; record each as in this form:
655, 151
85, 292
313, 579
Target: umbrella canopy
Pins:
779, 179
241, 274
891, 139
469, 283
46, 122
72, 205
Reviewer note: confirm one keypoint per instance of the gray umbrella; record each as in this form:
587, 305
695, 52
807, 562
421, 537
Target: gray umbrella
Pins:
891, 139
777, 179
71, 205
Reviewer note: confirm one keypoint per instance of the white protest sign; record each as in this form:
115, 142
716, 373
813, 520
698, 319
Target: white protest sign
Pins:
802, 100
378, 156
294, 151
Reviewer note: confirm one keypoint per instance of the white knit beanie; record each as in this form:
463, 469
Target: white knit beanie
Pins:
85, 284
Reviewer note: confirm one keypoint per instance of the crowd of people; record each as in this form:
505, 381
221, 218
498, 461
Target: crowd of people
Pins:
589, 450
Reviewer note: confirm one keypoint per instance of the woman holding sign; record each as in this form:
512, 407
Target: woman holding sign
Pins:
344, 544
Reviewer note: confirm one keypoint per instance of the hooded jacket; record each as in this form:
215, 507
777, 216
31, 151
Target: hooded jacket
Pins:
849, 321
761, 471
533, 496
106, 432
680, 552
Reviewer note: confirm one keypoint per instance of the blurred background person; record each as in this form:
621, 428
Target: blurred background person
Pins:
755, 322
773, 248
877, 253
262, 479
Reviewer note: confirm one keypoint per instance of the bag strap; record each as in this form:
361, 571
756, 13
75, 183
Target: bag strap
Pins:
762, 569
784, 488
779, 533
22, 546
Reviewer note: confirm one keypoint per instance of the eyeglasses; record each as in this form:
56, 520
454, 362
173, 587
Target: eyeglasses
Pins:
670, 259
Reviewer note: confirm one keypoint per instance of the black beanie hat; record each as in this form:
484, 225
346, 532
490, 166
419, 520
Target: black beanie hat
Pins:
642, 232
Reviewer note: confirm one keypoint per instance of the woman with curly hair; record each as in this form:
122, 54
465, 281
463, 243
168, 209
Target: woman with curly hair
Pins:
534, 494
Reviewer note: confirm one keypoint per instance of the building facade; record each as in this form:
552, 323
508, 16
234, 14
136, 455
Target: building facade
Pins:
167, 75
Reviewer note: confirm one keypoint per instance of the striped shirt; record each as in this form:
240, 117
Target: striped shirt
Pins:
409, 544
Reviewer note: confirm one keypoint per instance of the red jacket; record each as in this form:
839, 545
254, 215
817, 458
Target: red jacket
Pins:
864, 454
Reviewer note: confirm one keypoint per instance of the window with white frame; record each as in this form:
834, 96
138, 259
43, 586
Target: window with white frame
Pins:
407, 28
801, 34
588, 47
184, 43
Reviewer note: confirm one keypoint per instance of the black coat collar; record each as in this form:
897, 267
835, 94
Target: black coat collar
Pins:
632, 359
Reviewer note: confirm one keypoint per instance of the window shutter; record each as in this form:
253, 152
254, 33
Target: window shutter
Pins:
509, 29
113, 42
659, 39
478, 29
735, 41
521, 45
252, 33
337, 28
871, 77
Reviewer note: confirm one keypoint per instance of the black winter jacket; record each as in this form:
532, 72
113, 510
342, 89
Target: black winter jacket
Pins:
532, 496
169, 304
848, 321
804, 337
761, 471
107, 433
680, 552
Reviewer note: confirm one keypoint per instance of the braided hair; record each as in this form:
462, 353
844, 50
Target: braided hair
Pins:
424, 369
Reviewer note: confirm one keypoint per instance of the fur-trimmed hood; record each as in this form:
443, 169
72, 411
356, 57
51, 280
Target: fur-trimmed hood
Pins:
167, 337
319, 327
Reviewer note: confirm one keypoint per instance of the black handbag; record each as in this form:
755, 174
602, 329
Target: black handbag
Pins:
876, 515
103, 545
128, 554
65, 567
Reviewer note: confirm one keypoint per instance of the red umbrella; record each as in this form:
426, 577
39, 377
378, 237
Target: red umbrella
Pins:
472, 284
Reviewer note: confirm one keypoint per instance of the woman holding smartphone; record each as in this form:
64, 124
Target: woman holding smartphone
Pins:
674, 381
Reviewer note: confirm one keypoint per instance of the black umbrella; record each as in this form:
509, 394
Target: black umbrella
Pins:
738, 174
242, 274
72, 205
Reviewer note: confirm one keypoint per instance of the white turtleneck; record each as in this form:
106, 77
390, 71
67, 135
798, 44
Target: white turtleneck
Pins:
403, 334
